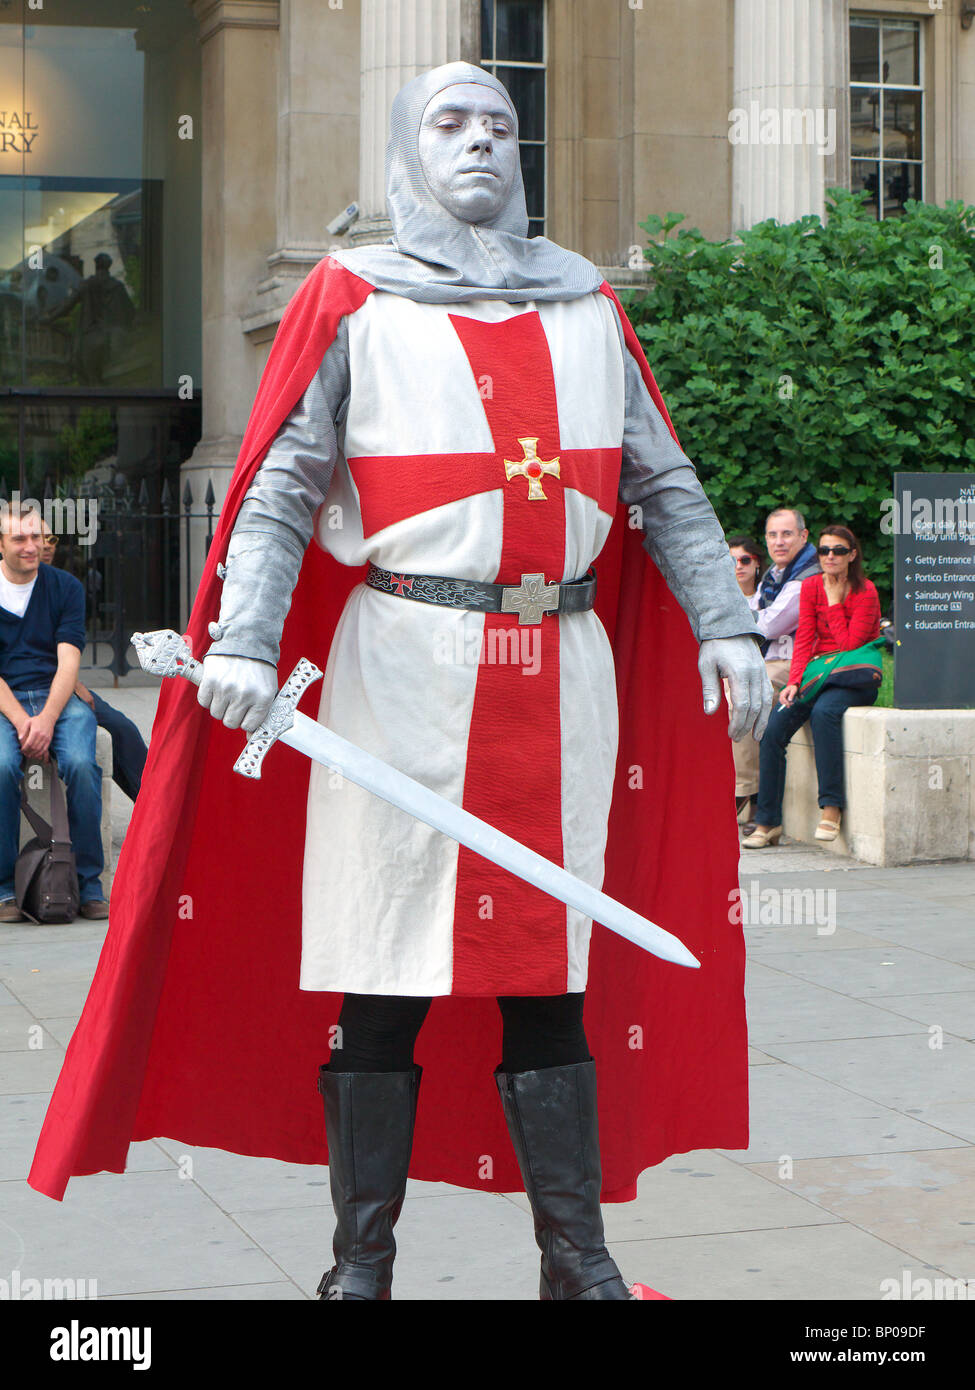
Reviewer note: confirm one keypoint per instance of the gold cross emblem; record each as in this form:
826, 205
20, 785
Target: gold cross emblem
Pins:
532, 467
530, 599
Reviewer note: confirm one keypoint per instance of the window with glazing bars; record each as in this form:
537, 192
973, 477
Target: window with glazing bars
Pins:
513, 48
886, 111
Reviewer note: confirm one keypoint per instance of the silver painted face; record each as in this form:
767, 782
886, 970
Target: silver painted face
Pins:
468, 151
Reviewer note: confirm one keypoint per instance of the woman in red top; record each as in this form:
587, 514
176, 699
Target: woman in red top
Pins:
838, 611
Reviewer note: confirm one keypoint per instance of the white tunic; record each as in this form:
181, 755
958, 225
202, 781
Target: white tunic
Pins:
379, 887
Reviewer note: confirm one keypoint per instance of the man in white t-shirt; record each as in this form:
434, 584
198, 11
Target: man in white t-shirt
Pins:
42, 636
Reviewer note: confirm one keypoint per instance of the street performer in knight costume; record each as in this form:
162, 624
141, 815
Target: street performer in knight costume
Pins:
455, 432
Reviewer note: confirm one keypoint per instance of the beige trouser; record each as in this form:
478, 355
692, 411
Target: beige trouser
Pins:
746, 750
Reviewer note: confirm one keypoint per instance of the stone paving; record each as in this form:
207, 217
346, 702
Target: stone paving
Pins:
860, 1169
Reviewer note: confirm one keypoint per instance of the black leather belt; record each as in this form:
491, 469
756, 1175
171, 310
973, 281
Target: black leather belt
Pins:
530, 599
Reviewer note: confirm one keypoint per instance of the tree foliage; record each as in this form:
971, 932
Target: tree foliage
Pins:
806, 364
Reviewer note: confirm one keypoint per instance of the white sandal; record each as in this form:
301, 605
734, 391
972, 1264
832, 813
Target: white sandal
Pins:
759, 839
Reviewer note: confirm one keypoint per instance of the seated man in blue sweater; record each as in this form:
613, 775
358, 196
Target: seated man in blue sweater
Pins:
42, 636
129, 751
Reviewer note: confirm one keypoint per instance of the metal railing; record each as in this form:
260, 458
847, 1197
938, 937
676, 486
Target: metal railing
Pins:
131, 571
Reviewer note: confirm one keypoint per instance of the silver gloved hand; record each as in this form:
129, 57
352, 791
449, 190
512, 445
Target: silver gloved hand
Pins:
240, 682
238, 690
739, 660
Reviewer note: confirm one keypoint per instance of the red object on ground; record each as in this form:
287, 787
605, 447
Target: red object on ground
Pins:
645, 1291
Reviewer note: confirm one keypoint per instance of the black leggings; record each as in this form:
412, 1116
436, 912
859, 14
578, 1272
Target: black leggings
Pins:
380, 1030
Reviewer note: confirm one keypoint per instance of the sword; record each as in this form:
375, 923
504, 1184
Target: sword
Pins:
165, 653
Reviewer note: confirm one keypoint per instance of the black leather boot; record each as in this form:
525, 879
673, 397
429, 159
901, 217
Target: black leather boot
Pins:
551, 1117
369, 1119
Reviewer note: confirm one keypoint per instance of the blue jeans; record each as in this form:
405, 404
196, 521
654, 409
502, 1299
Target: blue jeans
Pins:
129, 751
826, 714
73, 744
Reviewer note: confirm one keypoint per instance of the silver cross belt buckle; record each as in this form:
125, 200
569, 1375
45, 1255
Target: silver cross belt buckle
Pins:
530, 599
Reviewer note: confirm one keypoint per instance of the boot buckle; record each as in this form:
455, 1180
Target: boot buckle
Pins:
326, 1288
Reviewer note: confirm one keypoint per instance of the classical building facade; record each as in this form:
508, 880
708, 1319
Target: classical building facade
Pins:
729, 111
206, 146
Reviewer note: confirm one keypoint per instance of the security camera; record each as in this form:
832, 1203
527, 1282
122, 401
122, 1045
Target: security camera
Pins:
341, 224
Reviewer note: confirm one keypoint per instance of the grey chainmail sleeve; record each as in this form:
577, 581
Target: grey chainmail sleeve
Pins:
274, 524
681, 533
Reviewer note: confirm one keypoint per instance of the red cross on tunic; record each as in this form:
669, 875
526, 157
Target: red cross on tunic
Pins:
509, 938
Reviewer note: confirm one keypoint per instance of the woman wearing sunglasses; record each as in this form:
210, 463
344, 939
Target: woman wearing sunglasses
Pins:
748, 566
839, 611
747, 558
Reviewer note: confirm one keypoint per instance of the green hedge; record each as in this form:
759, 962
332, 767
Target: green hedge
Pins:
806, 364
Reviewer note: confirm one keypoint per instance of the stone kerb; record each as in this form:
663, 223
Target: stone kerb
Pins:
909, 786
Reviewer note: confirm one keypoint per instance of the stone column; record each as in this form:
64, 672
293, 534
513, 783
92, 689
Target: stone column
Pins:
317, 165
790, 125
284, 151
399, 39
237, 123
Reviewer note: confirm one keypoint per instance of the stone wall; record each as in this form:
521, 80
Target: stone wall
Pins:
909, 786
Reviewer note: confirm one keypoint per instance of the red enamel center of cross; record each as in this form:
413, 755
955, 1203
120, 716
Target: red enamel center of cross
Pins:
531, 467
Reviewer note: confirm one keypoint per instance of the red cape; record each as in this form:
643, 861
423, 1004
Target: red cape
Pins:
195, 1028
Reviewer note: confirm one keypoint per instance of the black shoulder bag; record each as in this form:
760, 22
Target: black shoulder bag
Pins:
45, 877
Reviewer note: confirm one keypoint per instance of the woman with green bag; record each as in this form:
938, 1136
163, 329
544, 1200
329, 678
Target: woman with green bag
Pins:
836, 663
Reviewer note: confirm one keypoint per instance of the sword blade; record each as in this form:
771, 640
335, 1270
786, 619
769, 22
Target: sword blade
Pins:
324, 746
165, 653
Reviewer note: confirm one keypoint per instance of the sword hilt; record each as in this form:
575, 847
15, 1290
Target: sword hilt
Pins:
165, 653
